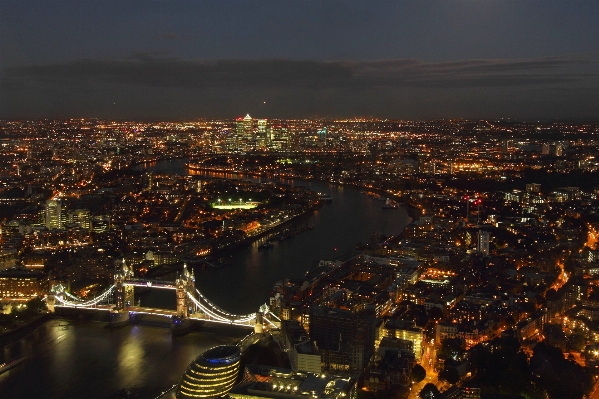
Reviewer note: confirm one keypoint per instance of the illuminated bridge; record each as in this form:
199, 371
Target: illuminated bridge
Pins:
118, 299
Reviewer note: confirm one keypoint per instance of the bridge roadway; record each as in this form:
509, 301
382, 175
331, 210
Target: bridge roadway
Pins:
132, 309
169, 285
172, 313
161, 312
189, 306
153, 311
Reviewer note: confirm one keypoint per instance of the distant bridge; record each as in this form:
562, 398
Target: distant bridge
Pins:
118, 299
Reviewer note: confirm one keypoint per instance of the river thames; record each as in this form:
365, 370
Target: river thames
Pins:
89, 360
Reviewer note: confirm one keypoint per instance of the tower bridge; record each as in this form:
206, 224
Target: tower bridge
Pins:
118, 299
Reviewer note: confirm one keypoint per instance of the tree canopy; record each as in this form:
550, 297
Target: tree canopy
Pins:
429, 391
418, 373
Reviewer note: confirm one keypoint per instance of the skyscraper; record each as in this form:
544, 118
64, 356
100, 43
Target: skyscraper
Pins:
247, 126
53, 214
244, 134
322, 134
483, 242
262, 137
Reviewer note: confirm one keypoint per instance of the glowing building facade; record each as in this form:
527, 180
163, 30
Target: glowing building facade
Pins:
212, 374
53, 214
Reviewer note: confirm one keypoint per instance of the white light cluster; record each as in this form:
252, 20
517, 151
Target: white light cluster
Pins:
91, 302
218, 314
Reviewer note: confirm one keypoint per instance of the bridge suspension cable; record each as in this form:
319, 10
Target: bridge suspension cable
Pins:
80, 303
73, 297
221, 311
270, 322
213, 312
217, 313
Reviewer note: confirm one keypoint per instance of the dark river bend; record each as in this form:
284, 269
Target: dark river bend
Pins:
89, 360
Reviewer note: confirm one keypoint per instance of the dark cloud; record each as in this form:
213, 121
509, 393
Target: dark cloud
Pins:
472, 73
149, 70
170, 72
168, 36
156, 85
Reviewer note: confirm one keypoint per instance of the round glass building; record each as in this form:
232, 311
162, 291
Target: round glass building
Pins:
212, 374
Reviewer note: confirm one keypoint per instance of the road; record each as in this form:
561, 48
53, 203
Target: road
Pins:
595, 392
428, 360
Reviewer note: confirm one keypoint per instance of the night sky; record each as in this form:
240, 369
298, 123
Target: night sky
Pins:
172, 59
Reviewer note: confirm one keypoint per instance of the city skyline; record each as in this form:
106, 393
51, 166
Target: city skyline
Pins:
332, 199
192, 59
372, 247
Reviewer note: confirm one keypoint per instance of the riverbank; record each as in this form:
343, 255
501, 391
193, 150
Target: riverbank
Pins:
23, 329
272, 231
413, 211
248, 273
87, 359
246, 242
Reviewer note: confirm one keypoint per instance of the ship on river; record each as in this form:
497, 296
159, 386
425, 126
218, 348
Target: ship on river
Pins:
266, 245
390, 204
325, 197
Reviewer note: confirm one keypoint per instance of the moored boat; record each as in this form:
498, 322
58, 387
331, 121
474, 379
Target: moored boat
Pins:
389, 204
266, 245
9, 365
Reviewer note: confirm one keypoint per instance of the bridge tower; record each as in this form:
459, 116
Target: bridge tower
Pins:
123, 293
181, 284
51, 297
51, 301
259, 324
185, 283
190, 286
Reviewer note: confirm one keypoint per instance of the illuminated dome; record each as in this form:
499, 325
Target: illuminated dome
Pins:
212, 374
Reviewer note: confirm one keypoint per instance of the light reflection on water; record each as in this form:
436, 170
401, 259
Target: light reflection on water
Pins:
246, 281
90, 360
131, 358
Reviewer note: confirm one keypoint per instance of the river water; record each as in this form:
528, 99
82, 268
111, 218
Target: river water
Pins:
89, 360
245, 283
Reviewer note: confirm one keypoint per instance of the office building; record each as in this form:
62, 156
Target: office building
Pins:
483, 242
81, 217
212, 374
345, 339
302, 352
262, 139
20, 284
53, 214
263, 382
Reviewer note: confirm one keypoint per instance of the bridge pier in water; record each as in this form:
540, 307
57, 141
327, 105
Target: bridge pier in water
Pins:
191, 305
